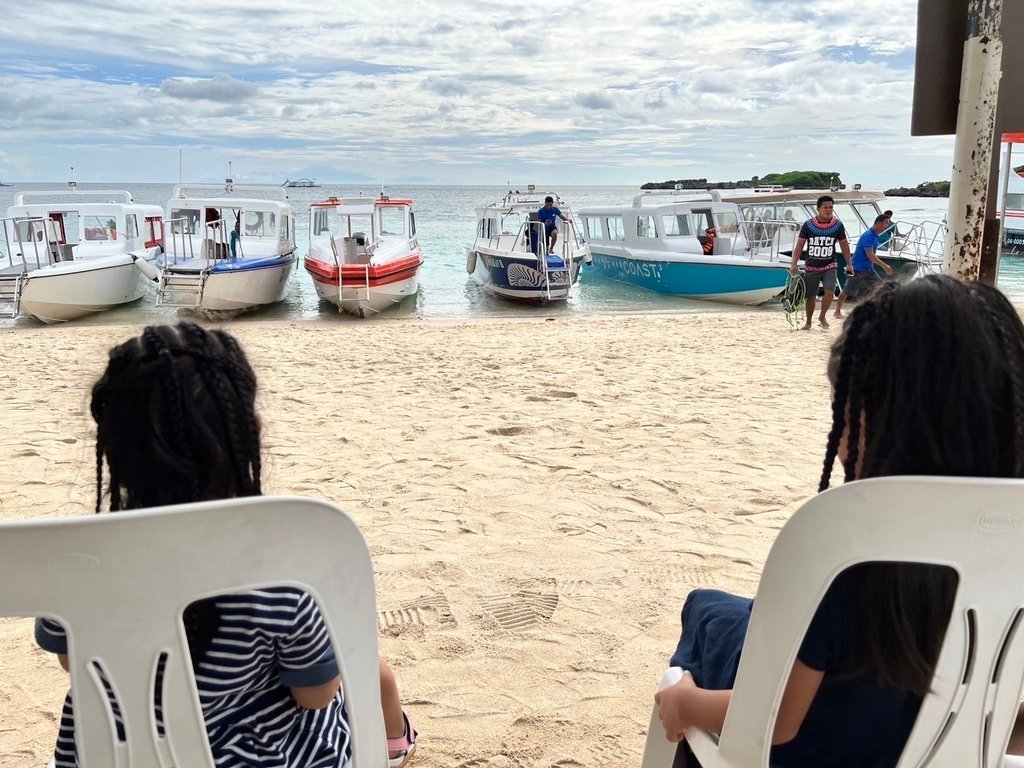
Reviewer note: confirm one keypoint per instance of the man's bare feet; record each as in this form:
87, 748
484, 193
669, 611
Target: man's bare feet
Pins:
837, 315
823, 322
806, 326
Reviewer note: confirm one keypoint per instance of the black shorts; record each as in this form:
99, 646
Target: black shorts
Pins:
862, 283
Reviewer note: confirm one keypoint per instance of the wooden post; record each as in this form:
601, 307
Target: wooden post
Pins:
968, 231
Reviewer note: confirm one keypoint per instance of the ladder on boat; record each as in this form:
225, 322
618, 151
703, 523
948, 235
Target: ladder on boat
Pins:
177, 289
10, 294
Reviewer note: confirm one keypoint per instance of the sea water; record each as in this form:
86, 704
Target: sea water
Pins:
445, 224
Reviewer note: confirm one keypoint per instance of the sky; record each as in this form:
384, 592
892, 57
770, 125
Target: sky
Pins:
482, 92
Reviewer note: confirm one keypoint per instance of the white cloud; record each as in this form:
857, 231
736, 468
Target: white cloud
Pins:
618, 92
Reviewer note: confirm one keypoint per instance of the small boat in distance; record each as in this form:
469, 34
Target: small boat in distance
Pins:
364, 255
76, 253
229, 249
301, 183
690, 246
509, 258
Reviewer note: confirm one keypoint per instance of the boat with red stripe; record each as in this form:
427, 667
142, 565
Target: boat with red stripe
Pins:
364, 255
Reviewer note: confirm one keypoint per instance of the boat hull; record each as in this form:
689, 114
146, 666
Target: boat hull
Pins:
735, 282
365, 290
522, 279
69, 291
234, 286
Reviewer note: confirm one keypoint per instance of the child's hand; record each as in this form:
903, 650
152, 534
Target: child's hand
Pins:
673, 703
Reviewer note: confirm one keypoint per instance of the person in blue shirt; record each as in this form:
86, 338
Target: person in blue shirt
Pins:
550, 215
869, 654
861, 277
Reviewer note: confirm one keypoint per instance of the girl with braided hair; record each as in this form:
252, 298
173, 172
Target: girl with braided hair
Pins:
927, 379
176, 422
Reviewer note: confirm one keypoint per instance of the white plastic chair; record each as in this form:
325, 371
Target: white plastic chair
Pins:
119, 583
974, 525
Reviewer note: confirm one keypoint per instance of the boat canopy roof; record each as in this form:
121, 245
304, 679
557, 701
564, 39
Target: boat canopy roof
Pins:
119, 196
361, 206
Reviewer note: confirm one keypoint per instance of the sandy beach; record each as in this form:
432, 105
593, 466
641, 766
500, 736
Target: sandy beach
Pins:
539, 496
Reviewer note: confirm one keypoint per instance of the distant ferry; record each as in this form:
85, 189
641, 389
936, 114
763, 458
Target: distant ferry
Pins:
302, 183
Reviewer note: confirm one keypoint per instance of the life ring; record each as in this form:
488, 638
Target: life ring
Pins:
471, 262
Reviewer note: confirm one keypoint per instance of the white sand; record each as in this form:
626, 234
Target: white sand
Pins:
539, 496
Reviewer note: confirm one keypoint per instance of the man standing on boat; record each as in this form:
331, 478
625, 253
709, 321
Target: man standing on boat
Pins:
550, 215
820, 234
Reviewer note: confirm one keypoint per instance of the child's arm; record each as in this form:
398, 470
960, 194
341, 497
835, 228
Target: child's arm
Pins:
684, 705
316, 696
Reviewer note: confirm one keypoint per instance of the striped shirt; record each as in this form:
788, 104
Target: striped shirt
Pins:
266, 641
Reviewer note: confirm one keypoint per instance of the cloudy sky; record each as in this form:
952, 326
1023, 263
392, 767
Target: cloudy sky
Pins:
455, 92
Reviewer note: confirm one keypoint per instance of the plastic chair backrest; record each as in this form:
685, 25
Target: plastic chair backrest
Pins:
119, 583
974, 525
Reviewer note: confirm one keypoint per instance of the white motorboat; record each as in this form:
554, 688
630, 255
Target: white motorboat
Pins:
363, 253
509, 257
772, 220
76, 253
1012, 199
229, 253
682, 244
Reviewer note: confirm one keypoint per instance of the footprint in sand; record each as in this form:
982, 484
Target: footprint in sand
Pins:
433, 609
521, 609
509, 431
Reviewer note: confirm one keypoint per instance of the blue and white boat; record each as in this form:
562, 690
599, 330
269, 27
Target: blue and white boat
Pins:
658, 243
509, 258
229, 253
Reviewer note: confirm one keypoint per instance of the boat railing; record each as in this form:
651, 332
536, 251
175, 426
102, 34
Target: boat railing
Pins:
923, 243
43, 248
770, 239
180, 247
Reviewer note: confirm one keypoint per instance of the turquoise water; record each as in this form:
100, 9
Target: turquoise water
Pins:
445, 221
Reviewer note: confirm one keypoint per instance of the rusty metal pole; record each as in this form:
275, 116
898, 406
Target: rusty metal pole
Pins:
975, 136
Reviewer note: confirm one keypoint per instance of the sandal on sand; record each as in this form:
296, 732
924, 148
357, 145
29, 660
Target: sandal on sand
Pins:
401, 749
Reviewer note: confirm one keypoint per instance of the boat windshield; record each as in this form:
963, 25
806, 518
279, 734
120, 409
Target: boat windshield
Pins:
392, 221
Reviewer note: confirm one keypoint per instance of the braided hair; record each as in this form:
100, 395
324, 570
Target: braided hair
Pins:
176, 422
927, 379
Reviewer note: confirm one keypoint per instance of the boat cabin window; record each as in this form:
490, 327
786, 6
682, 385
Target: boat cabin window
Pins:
488, 228
1014, 201
728, 223
358, 226
592, 226
286, 229
321, 221
645, 226
867, 212
28, 230
702, 220
99, 228
675, 225
187, 221
131, 226
412, 224
392, 221
615, 228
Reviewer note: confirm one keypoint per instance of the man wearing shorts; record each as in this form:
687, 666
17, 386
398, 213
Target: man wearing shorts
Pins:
550, 215
820, 234
862, 279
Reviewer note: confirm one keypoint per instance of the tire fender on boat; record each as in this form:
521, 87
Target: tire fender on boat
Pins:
145, 267
471, 261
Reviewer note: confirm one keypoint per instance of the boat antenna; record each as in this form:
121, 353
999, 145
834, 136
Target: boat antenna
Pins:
72, 184
229, 182
179, 166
